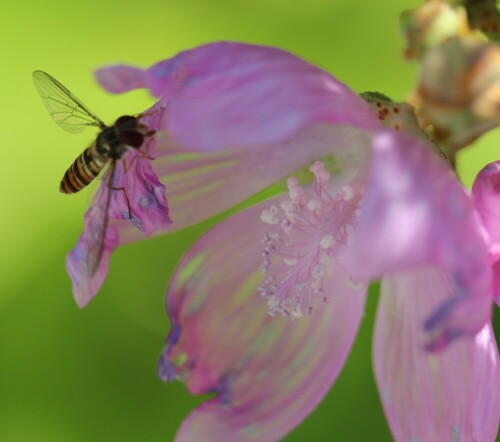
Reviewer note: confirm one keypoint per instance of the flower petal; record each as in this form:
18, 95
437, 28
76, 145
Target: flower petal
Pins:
486, 194
226, 95
268, 373
87, 263
415, 213
263, 107
447, 396
204, 184
143, 199
121, 78
145, 193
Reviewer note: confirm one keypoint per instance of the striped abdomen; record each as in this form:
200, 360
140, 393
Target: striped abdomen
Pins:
85, 168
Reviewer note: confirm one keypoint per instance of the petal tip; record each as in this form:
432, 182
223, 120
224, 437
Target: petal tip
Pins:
166, 368
121, 78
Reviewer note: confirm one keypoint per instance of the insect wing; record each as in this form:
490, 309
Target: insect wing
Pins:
65, 109
98, 226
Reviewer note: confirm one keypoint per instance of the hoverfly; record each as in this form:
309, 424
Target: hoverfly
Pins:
110, 145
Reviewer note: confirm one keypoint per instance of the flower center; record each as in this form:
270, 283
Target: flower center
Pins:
299, 250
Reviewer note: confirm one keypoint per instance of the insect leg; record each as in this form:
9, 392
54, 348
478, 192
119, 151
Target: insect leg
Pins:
143, 154
126, 197
148, 114
148, 143
109, 184
126, 167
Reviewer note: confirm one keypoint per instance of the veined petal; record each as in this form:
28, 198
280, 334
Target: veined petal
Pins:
486, 195
203, 184
227, 94
145, 193
268, 373
121, 78
137, 194
87, 263
447, 396
416, 213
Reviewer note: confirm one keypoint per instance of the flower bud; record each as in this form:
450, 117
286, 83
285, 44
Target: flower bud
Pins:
430, 24
459, 90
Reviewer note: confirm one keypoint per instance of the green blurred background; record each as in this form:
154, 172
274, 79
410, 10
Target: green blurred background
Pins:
90, 375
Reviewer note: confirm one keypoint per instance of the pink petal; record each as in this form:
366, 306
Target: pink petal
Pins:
234, 97
94, 248
415, 213
84, 286
146, 195
120, 78
225, 95
149, 211
423, 214
486, 194
268, 373
446, 396
204, 184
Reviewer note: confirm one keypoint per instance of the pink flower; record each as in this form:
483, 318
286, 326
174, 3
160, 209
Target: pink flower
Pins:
382, 203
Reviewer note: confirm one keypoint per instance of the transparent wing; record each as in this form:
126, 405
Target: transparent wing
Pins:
66, 110
99, 226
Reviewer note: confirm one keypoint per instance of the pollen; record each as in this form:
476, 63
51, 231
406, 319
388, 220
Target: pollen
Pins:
306, 230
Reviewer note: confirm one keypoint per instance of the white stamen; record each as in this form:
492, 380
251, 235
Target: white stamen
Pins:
313, 205
296, 193
347, 192
321, 174
270, 216
290, 208
299, 250
327, 242
297, 313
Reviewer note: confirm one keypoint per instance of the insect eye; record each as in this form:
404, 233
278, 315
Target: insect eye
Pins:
132, 138
125, 120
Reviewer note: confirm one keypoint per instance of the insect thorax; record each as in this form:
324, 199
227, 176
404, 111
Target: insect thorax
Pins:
113, 142
108, 145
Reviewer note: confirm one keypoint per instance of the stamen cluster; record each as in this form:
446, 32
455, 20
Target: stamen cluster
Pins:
299, 250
